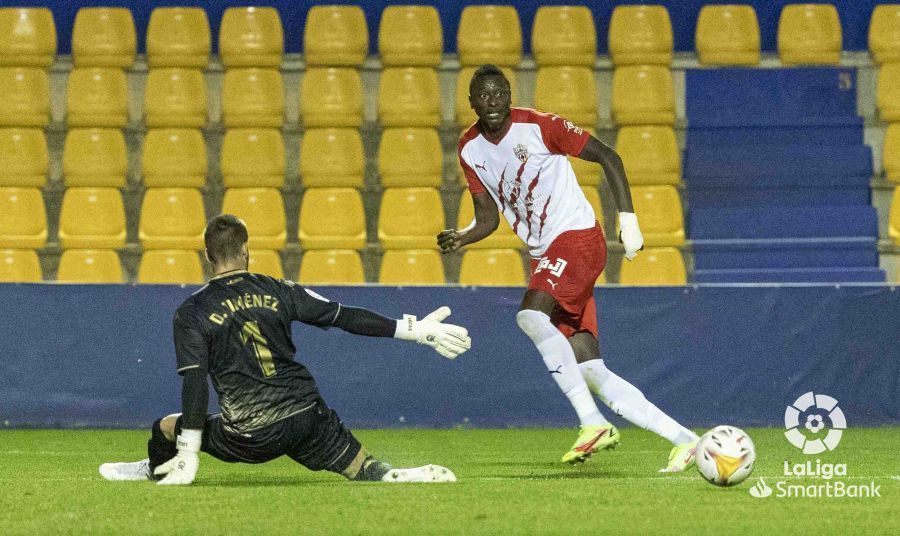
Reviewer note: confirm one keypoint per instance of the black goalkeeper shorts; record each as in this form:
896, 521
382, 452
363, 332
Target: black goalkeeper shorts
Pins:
315, 438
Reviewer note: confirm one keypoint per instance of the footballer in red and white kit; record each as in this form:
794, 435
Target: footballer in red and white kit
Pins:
515, 162
533, 184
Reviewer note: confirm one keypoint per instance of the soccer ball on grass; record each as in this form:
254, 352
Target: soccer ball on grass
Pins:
725, 456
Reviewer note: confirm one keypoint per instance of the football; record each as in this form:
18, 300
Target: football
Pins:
725, 456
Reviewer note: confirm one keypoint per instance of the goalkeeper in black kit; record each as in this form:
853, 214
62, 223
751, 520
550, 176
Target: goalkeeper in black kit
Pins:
237, 330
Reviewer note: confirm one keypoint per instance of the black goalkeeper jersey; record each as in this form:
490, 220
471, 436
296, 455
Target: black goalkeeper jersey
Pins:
238, 328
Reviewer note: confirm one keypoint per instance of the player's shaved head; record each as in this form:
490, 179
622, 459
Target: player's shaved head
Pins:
487, 69
225, 237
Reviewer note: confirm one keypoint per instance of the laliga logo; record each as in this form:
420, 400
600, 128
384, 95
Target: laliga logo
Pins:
815, 409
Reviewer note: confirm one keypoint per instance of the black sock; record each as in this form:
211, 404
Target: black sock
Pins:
159, 449
372, 470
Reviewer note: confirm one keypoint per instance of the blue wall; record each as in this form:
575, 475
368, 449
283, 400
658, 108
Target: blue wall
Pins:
854, 17
103, 355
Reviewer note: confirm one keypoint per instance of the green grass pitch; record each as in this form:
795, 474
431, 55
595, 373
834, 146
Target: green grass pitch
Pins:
510, 482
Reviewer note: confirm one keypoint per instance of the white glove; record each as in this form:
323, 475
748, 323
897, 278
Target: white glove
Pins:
630, 234
447, 339
182, 469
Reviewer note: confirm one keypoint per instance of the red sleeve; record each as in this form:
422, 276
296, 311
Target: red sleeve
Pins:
561, 136
475, 184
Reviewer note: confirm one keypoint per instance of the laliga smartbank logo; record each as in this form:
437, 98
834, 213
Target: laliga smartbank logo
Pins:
815, 411
814, 423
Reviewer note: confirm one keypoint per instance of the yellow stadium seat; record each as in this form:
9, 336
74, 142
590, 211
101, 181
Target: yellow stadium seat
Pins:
409, 96
643, 95
262, 209
891, 153
601, 279
24, 159
251, 37
174, 158
465, 115
809, 34
103, 37
175, 97
502, 238
332, 158
492, 267
172, 218
170, 266
253, 158
27, 37
266, 262
660, 214
178, 37
410, 36
332, 218
650, 154
89, 266
331, 97
23, 219
253, 98
640, 35
331, 267
92, 218
884, 33
564, 35
489, 34
654, 267
335, 35
95, 157
894, 218
20, 266
569, 92
410, 218
410, 157
888, 95
727, 35
593, 197
587, 173
24, 97
412, 267
97, 98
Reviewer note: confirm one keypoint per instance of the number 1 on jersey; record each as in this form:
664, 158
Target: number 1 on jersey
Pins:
250, 333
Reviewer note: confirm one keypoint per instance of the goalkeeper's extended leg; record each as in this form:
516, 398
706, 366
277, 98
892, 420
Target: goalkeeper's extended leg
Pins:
366, 468
160, 448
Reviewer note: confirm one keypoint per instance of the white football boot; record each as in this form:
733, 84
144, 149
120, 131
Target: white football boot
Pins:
123, 471
426, 473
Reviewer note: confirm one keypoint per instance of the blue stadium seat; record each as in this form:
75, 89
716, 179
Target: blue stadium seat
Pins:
795, 275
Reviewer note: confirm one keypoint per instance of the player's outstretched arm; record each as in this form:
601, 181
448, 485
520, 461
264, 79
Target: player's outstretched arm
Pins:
449, 340
486, 221
629, 231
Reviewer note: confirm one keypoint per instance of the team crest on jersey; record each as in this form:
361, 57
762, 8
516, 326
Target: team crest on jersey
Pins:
521, 153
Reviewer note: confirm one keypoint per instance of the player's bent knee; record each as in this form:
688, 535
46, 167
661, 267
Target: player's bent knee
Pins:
535, 324
167, 425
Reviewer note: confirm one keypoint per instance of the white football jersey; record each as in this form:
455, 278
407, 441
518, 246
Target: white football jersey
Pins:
529, 177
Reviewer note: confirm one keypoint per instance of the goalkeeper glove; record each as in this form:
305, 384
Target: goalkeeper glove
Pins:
182, 469
447, 339
630, 234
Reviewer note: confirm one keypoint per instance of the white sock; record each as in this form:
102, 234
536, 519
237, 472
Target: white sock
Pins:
629, 402
560, 360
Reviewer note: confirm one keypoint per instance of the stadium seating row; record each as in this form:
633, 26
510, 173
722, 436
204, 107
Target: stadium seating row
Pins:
487, 267
329, 157
330, 218
412, 35
329, 97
